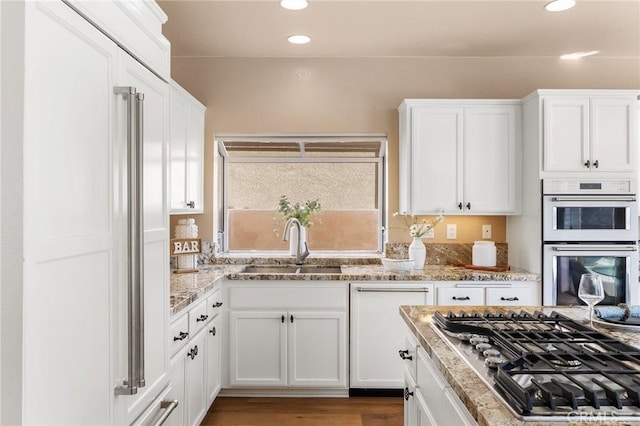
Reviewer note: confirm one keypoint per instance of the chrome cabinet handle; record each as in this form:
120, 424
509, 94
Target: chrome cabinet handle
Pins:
168, 407
509, 299
202, 318
191, 204
404, 354
183, 335
135, 243
461, 298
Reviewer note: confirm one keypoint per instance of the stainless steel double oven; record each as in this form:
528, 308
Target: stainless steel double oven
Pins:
589, 226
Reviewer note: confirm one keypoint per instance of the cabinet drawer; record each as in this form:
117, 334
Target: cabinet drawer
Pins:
178, 333
198, 318
283, 296
409, 354
512, 296
460, 296
214, 304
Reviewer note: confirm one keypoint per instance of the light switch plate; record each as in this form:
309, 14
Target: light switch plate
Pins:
486, 232
452, 231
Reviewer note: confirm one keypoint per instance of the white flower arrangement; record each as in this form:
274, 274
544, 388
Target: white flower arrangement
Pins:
418, 229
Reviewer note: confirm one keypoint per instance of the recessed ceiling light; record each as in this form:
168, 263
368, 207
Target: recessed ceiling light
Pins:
579, 55
294, 4
559, 5
298, 39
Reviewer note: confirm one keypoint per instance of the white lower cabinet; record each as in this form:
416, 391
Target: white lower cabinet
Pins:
429, 400
490, 293
288, 335
288, 348
195, 367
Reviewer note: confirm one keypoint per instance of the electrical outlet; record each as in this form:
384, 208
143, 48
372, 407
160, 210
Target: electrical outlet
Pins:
429, 234
452, 231
486, 232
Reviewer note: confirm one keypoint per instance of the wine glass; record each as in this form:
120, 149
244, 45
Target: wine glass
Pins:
591, 292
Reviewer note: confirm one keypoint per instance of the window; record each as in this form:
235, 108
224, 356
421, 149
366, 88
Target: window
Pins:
346, 174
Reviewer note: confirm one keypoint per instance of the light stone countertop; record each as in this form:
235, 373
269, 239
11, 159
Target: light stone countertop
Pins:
188, 287
483, 405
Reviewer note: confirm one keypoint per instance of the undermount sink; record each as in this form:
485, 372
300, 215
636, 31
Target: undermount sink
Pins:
291, 269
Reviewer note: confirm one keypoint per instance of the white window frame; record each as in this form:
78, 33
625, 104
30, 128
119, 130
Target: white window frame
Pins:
221, 215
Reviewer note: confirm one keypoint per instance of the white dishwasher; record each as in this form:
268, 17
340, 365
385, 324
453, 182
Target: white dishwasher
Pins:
378, 332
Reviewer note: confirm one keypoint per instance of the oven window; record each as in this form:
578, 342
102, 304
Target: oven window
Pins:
591, 218
612, 270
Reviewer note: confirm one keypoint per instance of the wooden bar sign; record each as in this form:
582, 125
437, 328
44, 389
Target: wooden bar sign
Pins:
184, 247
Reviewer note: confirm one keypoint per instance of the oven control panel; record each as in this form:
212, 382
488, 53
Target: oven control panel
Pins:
588, 186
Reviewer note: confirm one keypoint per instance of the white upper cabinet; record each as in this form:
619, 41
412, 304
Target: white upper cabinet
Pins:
589, 133
459, 156
187, 152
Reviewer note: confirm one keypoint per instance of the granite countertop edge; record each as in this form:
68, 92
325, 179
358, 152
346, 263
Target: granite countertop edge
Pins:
485, 407
188, 287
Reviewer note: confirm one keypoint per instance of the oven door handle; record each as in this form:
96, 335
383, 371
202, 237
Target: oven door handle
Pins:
602, 198
594, 248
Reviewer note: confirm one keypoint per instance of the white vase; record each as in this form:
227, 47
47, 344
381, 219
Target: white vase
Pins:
293, 239
417, 252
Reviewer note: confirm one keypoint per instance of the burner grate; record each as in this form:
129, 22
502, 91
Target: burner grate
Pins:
556, 363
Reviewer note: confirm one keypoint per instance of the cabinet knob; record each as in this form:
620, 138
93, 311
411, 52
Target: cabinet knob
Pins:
469, 206
217, 305
407, 394
193, 352
291, 318
461, 298
509, 299
213, 331
191, 204
405, 354
282, 319
596, 164
459, 206
202, 318
587, 164
183, 335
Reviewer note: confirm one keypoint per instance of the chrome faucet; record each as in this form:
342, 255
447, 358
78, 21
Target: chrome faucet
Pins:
300, 256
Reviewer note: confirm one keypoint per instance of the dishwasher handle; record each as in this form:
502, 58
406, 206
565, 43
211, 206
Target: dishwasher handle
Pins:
392, 290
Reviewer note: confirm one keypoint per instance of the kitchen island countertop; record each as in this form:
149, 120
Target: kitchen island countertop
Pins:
483, 405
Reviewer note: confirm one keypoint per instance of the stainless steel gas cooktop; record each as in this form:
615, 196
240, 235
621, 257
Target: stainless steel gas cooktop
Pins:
547, 367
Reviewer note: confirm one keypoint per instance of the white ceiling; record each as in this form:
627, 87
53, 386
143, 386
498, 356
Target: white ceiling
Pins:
397, 28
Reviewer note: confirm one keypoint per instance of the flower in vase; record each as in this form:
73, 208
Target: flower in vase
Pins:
416, 228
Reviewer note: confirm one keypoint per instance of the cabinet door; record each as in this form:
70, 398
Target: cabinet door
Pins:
423, 414
566, 134
70, 219
317, 349
195, 364
213, 359
436, 168
258, 348
195, 159
377, 332
410, 404
179, 113
612, 133
489, 158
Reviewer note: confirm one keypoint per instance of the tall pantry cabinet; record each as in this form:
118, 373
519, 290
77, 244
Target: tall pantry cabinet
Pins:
92, 340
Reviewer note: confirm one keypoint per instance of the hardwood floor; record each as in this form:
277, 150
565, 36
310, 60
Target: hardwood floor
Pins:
354, 411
